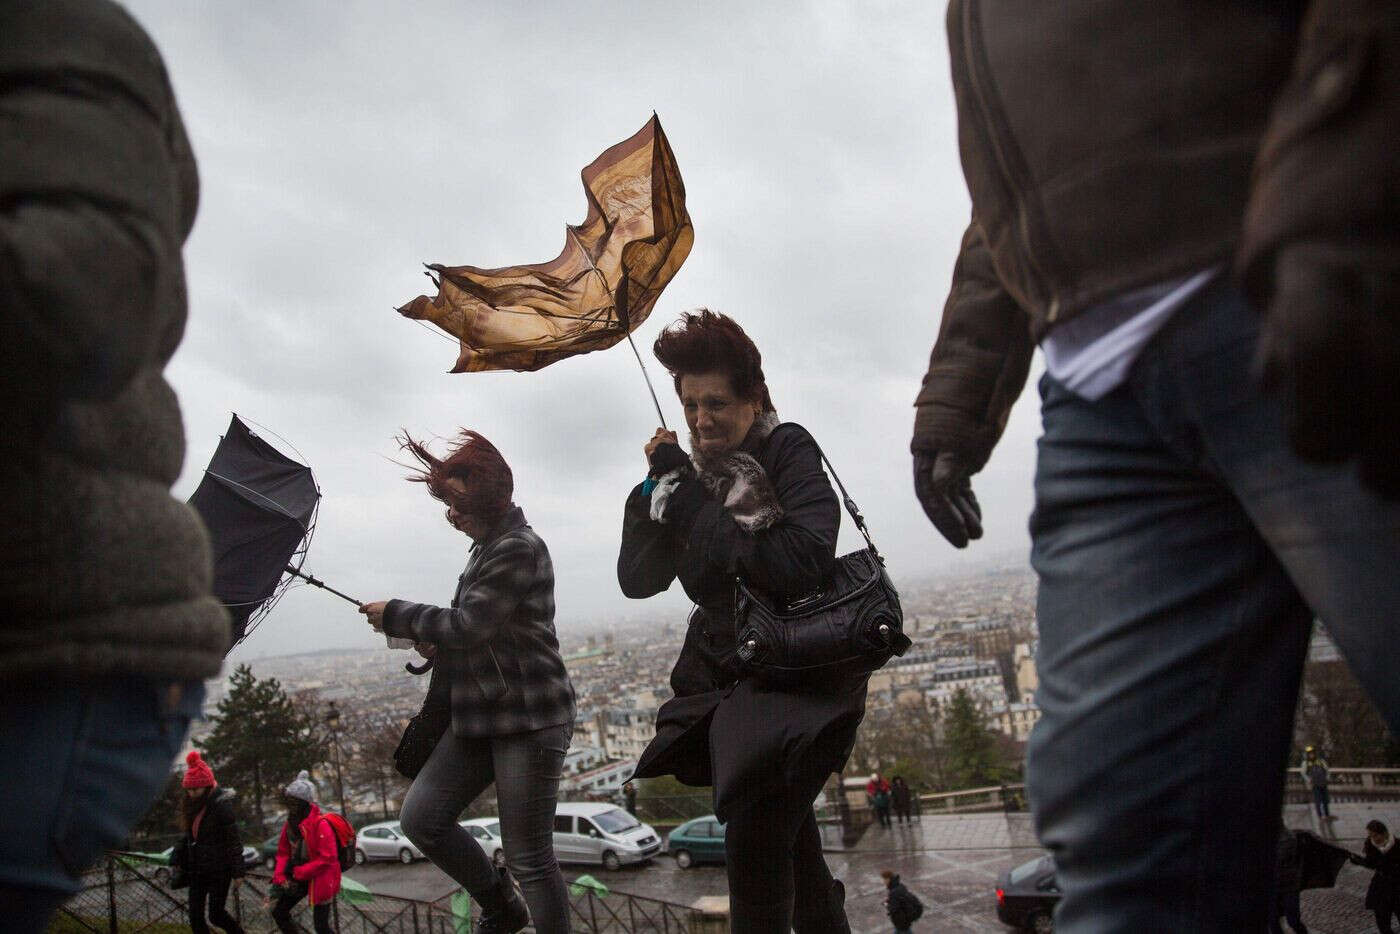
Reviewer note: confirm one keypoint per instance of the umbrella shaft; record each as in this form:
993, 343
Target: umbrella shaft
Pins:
647, 377
311, 580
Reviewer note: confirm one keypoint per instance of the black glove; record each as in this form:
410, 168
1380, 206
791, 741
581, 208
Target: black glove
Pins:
666, 458
942, 482
1330, 350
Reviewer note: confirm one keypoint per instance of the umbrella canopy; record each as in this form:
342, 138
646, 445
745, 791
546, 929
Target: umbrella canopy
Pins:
1321, 861
585, 884
260, 508
596, 291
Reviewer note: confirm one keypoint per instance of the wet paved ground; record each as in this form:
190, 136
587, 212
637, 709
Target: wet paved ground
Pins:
951, 862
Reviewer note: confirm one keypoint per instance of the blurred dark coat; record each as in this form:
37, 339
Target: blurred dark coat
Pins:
102, 572
1384, 891
216, 851
1189, 135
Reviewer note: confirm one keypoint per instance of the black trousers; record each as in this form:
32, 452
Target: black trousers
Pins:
1287, 905
773, 851
282, 914
213, 893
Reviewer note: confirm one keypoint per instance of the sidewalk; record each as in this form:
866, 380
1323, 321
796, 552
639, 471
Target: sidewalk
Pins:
952, 862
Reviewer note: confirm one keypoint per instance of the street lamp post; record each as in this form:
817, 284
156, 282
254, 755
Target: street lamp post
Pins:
333, 721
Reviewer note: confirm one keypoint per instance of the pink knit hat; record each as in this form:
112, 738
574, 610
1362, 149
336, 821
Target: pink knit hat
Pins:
198, 775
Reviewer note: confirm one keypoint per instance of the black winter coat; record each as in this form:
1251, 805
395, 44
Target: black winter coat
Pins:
901, 905
217, 851
1288, 874
1384, 891
746, 740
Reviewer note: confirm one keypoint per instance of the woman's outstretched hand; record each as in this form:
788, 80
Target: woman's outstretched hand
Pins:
375, 612
661, 437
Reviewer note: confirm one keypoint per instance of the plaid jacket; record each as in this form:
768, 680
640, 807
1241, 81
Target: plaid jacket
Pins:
498, 656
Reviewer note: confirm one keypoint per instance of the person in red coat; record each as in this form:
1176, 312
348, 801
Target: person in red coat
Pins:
307, 865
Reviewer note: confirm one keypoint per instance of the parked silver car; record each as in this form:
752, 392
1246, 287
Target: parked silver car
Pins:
487, 832
385, 840
587, 832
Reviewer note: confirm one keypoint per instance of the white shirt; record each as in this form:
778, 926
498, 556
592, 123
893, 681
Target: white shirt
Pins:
1090, 354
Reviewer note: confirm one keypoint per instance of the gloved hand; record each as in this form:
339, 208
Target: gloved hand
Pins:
1329, 348
942, 482
666, 457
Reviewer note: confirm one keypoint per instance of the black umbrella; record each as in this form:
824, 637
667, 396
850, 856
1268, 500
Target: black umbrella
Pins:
1321, 861
260, 509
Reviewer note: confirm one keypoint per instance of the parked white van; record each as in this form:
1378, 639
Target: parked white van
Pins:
589, 832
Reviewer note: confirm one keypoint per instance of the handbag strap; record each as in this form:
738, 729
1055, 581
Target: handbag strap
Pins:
850, 504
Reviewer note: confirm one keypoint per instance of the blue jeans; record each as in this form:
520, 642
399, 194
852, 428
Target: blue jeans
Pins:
526, 768
80, 763
1183, 552
1321, 801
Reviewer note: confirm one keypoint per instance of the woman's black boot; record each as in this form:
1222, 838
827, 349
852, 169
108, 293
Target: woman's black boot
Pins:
503, 910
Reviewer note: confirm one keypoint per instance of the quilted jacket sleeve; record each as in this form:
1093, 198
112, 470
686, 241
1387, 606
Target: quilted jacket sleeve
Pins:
1327, 171
978, 365
97, 192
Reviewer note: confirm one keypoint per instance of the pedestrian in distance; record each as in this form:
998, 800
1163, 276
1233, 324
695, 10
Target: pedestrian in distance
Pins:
902, 905
1315, 776
901, 799
497, 666
1380, 854
109, 628
307, 866
1191, 208
877, 796
210, 853
1288, 883
749, 500
629, 797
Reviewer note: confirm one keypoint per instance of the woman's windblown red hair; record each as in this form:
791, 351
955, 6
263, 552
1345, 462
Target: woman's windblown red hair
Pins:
473, 460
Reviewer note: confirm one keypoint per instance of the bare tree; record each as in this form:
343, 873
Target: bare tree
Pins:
368, 744
1335, 715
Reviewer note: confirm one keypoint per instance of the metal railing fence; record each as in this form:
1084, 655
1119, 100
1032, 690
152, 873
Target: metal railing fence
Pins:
124, 896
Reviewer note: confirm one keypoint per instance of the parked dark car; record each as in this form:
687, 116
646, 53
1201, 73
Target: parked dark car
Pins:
697, 841
1027, 894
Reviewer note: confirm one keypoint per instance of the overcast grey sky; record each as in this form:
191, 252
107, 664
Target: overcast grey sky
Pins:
341, 145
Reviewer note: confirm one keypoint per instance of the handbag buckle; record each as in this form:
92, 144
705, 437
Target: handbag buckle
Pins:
798, 603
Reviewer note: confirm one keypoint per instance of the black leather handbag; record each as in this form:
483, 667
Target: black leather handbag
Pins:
423, 732
852, 626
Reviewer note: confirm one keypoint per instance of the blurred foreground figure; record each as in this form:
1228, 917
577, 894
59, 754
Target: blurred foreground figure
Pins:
108, 626
1171, 198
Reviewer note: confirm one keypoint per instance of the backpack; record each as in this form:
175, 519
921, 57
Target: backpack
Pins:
916, 907
344, 840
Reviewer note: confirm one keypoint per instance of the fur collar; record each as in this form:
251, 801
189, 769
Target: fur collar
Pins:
737, 480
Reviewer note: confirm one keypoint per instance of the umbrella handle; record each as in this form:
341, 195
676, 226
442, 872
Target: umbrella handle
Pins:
318, 583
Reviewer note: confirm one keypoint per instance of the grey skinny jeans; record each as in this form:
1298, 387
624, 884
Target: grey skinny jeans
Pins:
526, 768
